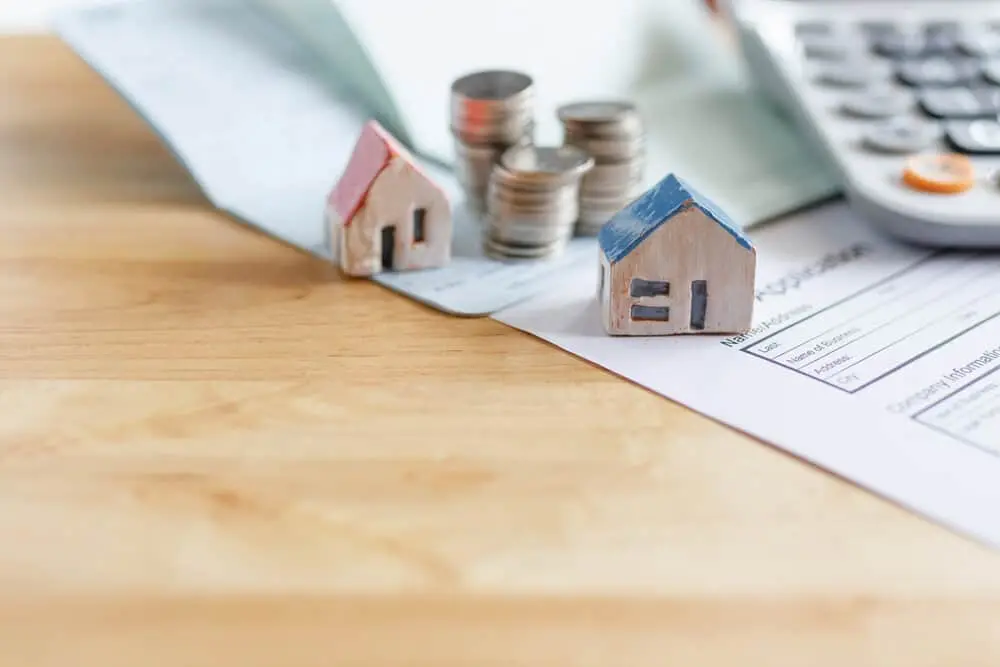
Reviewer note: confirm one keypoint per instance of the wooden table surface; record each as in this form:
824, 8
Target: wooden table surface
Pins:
214, 451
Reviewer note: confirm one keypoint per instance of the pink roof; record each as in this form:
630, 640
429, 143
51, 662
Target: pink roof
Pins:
374, 149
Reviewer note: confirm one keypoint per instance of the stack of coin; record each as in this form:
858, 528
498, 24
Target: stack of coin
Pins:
490, 112
612, 133
533, 201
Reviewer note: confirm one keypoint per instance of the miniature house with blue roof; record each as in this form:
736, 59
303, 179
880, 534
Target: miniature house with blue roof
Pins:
673, 262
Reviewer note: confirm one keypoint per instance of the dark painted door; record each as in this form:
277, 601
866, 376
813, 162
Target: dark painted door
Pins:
699, 303
388, 245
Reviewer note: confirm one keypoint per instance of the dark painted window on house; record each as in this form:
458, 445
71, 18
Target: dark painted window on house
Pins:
699, 303
419, 225
650, 313
641, 288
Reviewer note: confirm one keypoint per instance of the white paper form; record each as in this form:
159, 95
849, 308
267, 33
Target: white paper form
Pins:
874, 360
265, 130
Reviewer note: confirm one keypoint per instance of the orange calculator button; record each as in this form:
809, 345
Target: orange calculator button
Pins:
947, 173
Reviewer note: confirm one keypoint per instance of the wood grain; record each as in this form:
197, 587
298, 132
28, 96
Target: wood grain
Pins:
214, 451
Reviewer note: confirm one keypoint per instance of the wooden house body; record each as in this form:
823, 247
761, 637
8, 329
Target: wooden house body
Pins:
672, 262
385, 213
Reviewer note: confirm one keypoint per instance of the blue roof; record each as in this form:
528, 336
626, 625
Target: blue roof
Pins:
631, 225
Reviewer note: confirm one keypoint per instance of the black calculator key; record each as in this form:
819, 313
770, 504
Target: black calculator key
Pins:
938, 71
902, 135
960, 102
980, 42
977, 136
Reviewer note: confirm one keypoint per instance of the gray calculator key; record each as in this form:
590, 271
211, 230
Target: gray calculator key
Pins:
991, 71
902, 135
941, 37
813, 28
980, 42
878, 28
959, 102
830, 47
977, 136
908, 44
884, 103
938, 71
989, 97
942, 27
853, 73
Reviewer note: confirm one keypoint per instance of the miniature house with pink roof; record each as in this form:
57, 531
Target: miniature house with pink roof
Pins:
385, 213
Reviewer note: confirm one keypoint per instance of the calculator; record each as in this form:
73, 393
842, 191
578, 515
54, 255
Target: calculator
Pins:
901, 96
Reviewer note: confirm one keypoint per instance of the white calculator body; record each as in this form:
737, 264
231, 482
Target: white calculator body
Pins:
902, 96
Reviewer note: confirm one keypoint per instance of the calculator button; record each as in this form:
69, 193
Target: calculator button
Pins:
991, 71
982, 43
938, 71
829, 47
901, 135
960, 102
942, 28
901, 45
813, 28
977, 136
877, 104
940, 174
853, 73
878, 28
941, 43
989, 98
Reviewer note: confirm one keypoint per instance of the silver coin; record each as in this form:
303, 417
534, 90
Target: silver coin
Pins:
612, 175
491, 111
614, 147
506, 251
546, 163
612, 133
590, 203
516, 215
600, 118
505, 130
532, 212
526, 228
529, 239
492, 85
553, 209
602, 110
